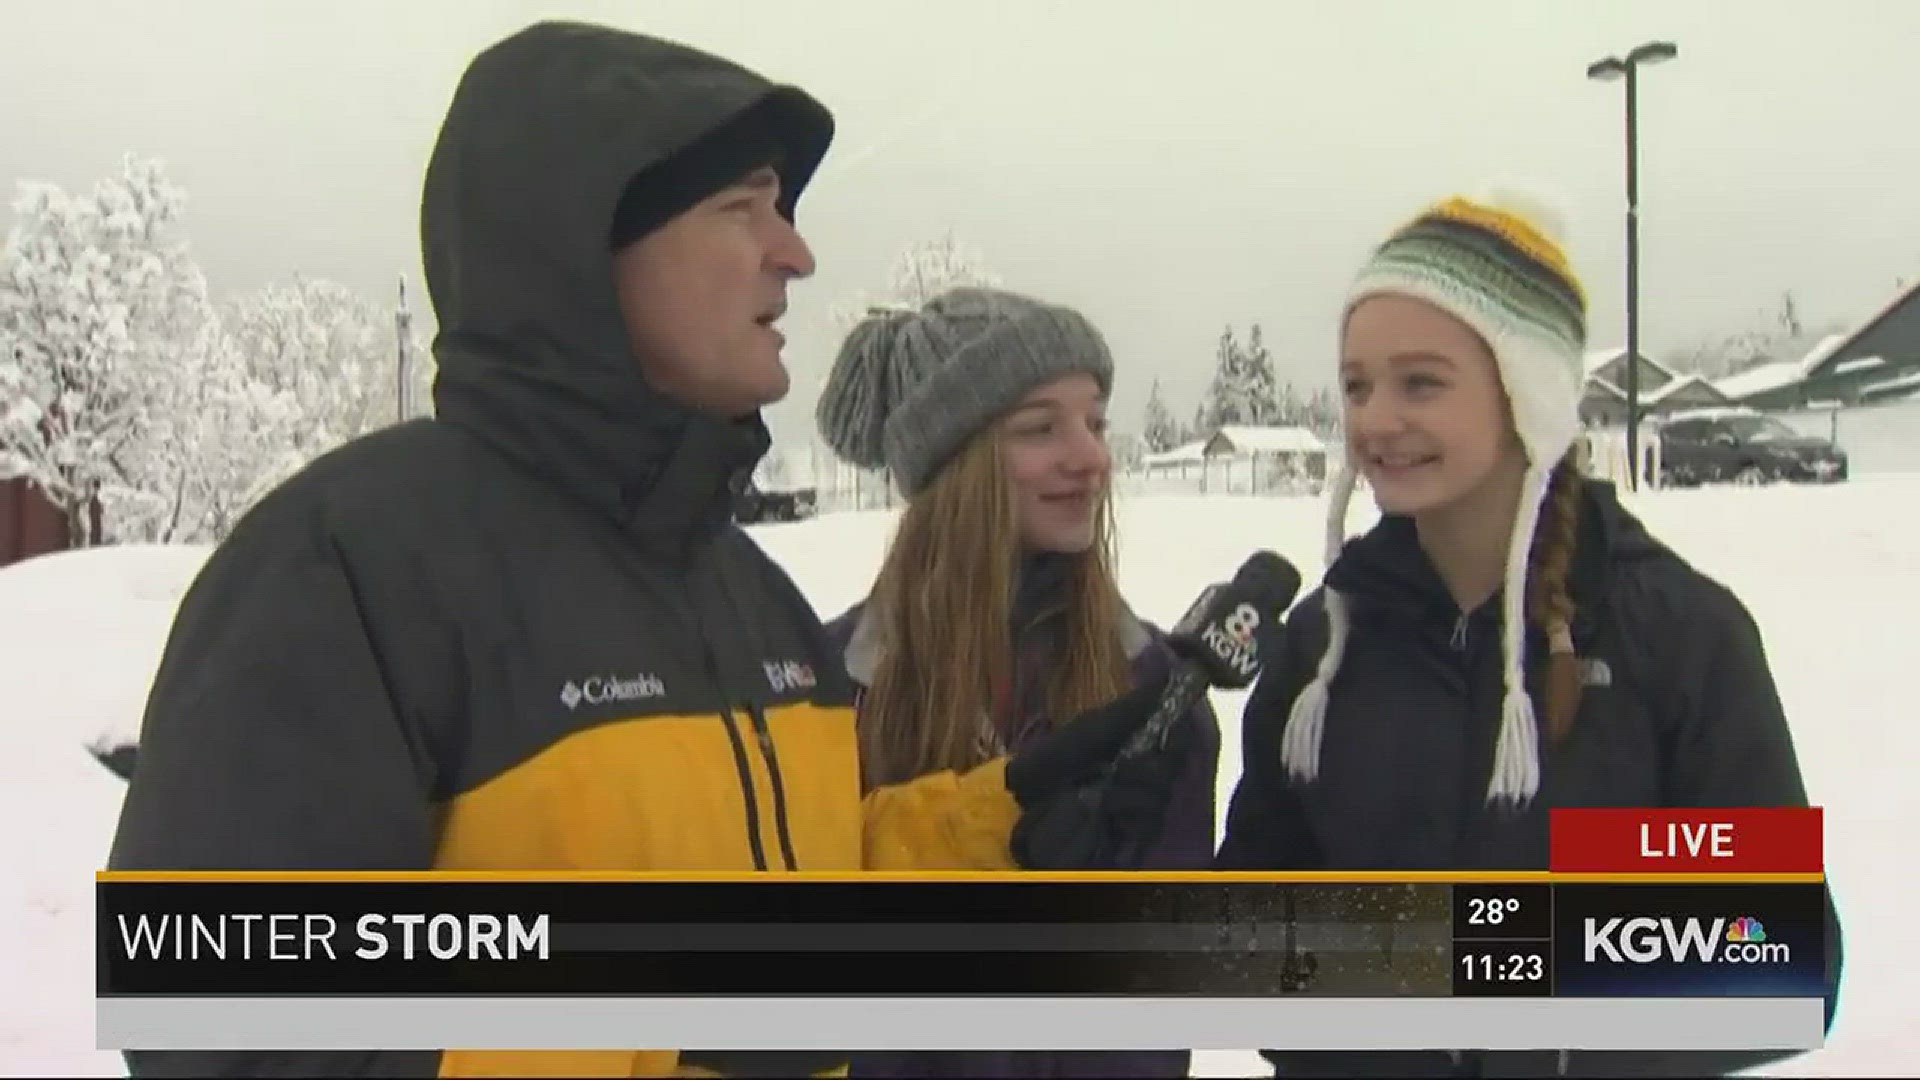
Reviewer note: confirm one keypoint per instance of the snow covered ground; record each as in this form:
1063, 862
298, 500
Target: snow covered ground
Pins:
1831, 574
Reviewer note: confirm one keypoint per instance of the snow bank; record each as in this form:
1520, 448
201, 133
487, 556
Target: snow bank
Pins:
82, 633
1828, 573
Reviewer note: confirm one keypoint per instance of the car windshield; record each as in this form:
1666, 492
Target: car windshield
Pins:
1760, 429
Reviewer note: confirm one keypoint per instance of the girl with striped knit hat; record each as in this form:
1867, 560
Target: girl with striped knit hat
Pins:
1508, 637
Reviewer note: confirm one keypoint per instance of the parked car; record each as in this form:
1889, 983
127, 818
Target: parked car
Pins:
754, 505
1743, 446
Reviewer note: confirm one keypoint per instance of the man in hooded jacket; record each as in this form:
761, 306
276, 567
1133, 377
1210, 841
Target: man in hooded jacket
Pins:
526, 634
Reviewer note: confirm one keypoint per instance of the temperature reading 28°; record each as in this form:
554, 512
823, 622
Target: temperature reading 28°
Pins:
1490, 910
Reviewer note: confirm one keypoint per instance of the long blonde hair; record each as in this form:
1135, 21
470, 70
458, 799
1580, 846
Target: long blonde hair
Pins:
943, 601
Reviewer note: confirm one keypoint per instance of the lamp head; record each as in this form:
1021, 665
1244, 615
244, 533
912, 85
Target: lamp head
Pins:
1653, 52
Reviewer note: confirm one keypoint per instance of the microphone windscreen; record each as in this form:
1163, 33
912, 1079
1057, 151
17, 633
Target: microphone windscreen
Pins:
1270, 578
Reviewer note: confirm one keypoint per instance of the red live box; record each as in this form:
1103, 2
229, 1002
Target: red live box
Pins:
1691, 841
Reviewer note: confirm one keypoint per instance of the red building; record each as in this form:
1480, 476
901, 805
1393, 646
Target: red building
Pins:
30, 524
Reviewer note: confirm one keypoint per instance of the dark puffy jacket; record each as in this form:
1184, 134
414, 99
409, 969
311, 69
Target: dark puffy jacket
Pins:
1185, 841
1686, 715
526, 635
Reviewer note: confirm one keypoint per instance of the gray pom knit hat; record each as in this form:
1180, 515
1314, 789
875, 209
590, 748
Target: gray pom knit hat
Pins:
910, 387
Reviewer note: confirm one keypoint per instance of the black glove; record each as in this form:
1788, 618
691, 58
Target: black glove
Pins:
1081, 749
1097, 811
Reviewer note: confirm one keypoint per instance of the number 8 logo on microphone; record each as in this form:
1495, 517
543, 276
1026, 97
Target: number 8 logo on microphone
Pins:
1241, 624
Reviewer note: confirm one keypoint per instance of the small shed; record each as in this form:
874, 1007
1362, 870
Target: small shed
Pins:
1294, 451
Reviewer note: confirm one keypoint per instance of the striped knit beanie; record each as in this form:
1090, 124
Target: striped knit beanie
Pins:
910, 386
1496, 263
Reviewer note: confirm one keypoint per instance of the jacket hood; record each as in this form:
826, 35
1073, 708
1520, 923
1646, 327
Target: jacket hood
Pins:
1386, 568
545, 130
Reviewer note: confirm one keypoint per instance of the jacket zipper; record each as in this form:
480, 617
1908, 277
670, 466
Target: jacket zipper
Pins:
765, 733
746, 788
1461, 642
751, 801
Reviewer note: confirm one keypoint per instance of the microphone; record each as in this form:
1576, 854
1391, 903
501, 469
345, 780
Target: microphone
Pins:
1218, 642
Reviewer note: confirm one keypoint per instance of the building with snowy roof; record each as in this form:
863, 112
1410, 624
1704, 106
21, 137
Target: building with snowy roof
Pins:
1876, 362
1603, 399
1289, 451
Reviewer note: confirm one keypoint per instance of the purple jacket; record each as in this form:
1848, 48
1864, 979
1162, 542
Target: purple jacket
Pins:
1185, 843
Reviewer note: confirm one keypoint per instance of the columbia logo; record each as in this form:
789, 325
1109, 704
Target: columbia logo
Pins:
599, 690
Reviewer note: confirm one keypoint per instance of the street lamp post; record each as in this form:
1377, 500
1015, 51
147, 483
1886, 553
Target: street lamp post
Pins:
1614, 67
402, 333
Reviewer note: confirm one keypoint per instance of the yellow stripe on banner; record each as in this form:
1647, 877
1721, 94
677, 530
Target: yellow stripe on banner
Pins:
959, 877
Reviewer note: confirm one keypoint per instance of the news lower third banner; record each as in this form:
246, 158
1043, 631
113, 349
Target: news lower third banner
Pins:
1006, 962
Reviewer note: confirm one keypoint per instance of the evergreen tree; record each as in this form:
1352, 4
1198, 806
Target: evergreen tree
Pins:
1223, 403
1160, 430
1259, 388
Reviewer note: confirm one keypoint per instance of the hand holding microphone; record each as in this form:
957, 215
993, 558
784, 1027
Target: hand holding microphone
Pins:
1096, 788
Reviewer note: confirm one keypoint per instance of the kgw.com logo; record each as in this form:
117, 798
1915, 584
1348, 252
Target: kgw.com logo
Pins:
1645, 940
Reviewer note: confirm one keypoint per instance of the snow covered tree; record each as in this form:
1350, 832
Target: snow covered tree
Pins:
919, 273
1259, 388
218, 440
1244, 389
1320, 413
1160, 430
99, 306
1784, 335
1221, 403
333, 350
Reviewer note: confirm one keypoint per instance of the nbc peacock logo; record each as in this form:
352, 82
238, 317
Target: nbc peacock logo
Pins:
1746, 930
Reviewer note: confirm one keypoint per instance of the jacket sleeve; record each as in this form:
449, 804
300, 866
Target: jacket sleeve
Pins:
1266, 826
1730, 746
270, 742
942, 821
1186, 840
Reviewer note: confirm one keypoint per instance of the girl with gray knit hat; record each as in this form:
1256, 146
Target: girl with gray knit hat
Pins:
1508, 638
995, 616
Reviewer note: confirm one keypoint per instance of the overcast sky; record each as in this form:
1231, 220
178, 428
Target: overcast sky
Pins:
1187, 165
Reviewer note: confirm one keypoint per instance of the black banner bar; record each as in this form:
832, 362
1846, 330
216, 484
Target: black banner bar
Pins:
765, 938
773, 937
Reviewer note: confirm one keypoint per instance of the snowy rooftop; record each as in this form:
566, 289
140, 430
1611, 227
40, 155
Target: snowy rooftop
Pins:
1186, 453
1900, 382
1272, 440
1759, 380
1674, 386
1716, 412
1600, 358
1821, 350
